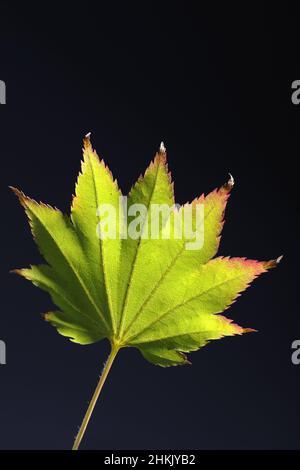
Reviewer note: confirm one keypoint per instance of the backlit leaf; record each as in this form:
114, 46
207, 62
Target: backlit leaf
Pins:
146, 287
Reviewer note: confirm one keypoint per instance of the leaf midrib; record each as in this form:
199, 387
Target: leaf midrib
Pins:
180, 335
106, 286
125, 302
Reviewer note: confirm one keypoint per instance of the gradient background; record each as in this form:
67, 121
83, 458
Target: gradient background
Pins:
214, 84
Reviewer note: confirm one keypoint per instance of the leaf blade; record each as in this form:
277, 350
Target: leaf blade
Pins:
155, 187
96, 188
174, 252
192, 319
59, 245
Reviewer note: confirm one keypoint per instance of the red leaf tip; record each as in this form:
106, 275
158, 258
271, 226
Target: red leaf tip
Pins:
19, 194
87, 141
272, 263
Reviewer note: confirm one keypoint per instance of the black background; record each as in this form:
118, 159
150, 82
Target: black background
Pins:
214, 83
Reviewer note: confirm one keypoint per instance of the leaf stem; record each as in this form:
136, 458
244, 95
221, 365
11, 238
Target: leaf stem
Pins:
88, 414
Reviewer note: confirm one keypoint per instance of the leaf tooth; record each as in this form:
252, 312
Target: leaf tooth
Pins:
22, 272
18, 271
184, 357
19, 194
238, 329
25, 201
249, 330
46, 316
273, 263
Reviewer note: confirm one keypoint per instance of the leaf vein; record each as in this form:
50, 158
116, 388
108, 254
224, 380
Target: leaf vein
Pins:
124, 306
182, 304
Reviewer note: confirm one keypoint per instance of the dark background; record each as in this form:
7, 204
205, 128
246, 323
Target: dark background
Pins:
214, 83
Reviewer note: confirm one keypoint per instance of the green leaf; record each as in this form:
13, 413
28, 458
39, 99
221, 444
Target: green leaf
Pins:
152, 294
152, 286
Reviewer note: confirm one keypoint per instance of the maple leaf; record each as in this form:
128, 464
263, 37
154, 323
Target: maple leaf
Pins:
157, 295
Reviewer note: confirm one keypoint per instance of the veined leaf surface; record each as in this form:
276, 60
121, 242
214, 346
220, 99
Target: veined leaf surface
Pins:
152, 294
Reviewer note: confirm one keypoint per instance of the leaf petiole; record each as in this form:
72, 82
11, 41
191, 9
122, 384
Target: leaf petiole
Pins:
88, 414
